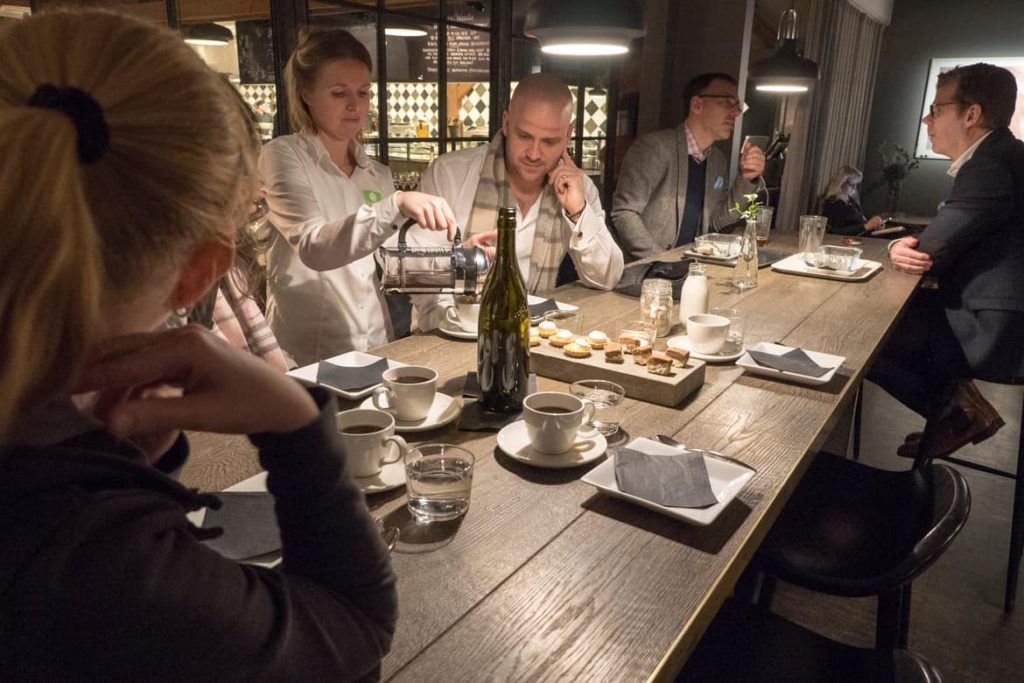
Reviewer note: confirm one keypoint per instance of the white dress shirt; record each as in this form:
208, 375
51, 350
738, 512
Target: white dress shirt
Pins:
455, 177
323, 294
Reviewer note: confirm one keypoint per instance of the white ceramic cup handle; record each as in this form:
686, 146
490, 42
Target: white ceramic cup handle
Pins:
401, 449
451, 314
588, 411
383, 391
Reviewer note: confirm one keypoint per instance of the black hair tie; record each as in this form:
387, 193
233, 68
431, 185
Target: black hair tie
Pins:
84, 111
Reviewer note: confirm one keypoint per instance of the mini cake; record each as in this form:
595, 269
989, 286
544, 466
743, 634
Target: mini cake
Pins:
597, 339
642, 353
534, 340
659, 364
629, 343
678, 356
613, 352
547, 329
575, 350
534, 332
561, 338
583, 341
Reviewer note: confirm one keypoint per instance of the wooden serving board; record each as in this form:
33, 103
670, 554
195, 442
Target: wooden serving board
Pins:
550, 361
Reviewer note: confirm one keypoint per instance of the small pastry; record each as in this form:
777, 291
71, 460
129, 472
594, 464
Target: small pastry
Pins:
642, 353
575, 350
534, 332
678, 356
547, 329
597, 339
659, 364
583, 341
613, 352
534, 340
561, 338
628, 342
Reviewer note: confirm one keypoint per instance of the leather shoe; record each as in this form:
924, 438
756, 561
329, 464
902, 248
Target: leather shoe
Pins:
971, 419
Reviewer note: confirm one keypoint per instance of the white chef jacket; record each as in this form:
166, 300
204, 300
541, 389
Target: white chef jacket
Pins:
597, 257
323, 296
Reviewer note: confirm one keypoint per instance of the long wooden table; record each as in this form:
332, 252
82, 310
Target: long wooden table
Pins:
544, 578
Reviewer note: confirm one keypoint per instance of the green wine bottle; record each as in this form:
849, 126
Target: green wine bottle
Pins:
503, 339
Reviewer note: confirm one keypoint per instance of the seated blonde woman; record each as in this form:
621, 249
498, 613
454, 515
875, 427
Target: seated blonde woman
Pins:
118, 207
839, 204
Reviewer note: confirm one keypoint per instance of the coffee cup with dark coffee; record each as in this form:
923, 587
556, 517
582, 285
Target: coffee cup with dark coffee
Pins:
407, 392
553, 420
369, 440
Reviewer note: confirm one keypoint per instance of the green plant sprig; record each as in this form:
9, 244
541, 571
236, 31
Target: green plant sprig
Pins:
749, 213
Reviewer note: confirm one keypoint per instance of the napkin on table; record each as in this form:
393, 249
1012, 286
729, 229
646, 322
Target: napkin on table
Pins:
795, 361
348, 378
249, 523
673, 477
542, 307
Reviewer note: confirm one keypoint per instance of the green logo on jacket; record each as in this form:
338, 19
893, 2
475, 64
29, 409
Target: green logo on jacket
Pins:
372, 196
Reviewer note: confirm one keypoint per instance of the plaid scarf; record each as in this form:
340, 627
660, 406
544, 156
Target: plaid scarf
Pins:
550, 239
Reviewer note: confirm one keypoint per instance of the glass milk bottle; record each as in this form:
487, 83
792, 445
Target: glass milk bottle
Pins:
694, 298
744, 276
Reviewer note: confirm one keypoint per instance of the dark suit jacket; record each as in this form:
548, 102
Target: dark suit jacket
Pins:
977, 246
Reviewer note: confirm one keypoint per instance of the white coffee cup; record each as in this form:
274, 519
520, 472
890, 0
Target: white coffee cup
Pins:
553, 419
368, 436
407, 392
465, 313
707, 333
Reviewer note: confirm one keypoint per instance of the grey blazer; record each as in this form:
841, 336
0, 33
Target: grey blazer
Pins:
648, 204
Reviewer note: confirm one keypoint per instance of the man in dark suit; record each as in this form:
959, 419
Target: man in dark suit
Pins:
973, 324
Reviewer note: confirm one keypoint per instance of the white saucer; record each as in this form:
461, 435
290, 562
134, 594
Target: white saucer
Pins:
588, 447
450, 329
683, 342
443, 410
391, 476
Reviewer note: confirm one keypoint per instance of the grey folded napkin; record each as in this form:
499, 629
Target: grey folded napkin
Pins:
542, 307
679, 480
474, 418
795, 361
249, 524
350, 379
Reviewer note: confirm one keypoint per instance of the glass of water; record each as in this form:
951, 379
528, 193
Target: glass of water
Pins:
737, 325
812, 231
607, 398
438, 477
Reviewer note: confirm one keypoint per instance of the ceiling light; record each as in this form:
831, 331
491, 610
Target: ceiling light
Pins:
585, 28
786, 71
398, 32
207, 34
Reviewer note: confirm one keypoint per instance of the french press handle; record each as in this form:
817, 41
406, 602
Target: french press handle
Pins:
402, 248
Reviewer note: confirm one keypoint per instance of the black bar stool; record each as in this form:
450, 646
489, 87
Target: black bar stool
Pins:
745, 643
856, 531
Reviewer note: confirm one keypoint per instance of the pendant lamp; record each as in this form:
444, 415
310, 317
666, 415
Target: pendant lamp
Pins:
207, 34
584, 28
785, 71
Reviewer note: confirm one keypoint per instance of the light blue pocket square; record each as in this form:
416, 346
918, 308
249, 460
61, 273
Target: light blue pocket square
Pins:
719, 183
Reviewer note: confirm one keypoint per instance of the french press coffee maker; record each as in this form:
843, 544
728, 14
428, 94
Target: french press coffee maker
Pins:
412, 269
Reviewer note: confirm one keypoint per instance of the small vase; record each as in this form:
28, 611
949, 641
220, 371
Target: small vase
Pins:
893, 205
744, 274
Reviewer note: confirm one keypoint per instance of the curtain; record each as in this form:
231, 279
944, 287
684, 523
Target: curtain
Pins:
829, 126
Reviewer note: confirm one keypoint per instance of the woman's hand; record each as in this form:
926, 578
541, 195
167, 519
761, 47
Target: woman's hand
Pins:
432, 213
875, 223
220, 388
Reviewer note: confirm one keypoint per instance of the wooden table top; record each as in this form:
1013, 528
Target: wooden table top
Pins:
545, 578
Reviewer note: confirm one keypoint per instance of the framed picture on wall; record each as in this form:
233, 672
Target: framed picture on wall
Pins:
1014, 64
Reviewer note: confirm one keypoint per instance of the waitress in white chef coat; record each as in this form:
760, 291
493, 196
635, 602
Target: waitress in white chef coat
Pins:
332, 206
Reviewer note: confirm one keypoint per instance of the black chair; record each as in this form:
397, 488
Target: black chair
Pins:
856, 531
745, 643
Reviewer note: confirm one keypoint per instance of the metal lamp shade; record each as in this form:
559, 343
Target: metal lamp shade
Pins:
207, 34
584, 27
786, 71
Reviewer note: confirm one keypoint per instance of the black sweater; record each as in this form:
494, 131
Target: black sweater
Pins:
101, 575
844, 218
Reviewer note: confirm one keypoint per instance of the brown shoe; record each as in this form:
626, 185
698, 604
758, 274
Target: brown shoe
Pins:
971, 419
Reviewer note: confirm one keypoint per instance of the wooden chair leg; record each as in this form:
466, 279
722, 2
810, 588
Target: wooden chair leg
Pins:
858, 407
887, 619
905, 598
1016, 527
767, 592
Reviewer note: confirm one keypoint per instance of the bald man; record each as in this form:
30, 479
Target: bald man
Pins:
558, 209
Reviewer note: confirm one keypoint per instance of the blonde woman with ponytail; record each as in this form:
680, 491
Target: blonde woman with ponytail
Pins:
126, 166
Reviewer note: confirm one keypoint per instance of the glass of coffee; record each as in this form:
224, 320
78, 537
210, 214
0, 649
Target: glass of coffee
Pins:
439, 478
369, 440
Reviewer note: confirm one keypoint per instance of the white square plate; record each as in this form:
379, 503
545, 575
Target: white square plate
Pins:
727, 480
532, 300
862, 269
351, 359
825, 360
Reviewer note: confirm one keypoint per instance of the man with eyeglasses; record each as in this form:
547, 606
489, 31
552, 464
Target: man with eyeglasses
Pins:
674, 184
973, 324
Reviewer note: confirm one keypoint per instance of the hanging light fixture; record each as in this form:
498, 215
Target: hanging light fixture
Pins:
207, 34
398, 27
585, 28
785, 71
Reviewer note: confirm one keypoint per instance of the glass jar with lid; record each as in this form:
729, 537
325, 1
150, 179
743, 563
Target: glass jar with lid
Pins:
656, 304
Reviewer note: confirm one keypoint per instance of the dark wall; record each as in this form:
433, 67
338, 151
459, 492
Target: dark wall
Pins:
921, 30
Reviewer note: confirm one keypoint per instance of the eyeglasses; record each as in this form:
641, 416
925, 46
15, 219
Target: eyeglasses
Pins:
933, 107
730, 102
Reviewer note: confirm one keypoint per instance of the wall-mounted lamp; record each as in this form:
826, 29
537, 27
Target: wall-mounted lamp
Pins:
786, 71
584, 28
207, 34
